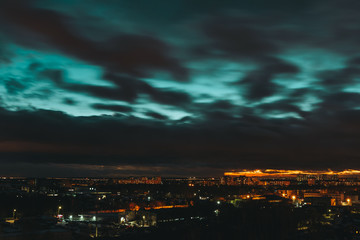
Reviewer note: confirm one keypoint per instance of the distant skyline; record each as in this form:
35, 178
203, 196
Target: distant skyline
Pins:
192, 88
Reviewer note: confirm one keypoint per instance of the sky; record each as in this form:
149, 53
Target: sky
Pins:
178, 88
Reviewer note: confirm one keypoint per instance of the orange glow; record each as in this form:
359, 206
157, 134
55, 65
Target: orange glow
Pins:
171, 206
109, 211
288, 173
293, 197
146, 208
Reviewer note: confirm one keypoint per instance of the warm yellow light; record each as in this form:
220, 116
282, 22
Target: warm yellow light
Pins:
283, 173
293, 197
247, 196
14, 210
348, 200
283, 194
60, 207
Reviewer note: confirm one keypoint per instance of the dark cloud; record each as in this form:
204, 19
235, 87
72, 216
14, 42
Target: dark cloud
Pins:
354, 62
280, 107
231, 37
260, 81
222, 105
136, 55
110, 93
47, 136
34, 66
237, 38
130, 89
340, 101
156, 115
217, 111
134, 86
334, 80
126, 88
112, 107
5, 54
169, 97
55, 75
69, 101
14, 86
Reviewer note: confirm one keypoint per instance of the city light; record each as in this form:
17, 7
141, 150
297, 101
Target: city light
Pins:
298, 196
287, 173
59, 208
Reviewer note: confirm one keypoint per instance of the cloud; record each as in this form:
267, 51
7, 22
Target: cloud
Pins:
13, 86
112, 107
239, 39
281, 106
156, 115
69, 101
130, 89
125, 88
265, 84
53, 137
5, 54
232, 38
339, 101
260, 81
55, 75
131, 54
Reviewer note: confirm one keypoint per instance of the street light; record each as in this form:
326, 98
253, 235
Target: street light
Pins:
14, 213
59, 208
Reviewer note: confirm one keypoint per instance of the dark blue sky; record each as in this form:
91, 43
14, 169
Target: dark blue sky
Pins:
107, 88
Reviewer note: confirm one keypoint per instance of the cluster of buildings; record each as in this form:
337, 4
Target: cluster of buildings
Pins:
274, 177
139, 180
114, 206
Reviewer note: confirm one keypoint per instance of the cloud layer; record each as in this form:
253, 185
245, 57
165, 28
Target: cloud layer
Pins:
110, 88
